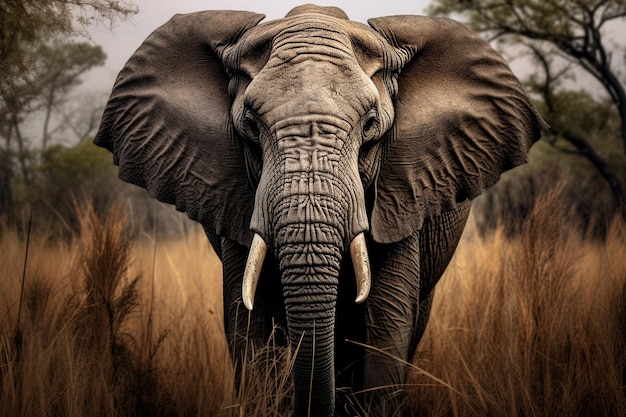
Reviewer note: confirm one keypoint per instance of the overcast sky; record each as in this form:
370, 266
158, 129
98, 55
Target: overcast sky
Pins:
125, 38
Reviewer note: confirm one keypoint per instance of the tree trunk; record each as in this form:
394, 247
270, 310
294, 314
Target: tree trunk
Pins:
6, 195
603, 168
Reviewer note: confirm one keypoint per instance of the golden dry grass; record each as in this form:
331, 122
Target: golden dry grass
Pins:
533, 326
102, 333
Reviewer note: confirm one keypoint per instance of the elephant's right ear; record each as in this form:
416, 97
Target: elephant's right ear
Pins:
168, 123
461, 119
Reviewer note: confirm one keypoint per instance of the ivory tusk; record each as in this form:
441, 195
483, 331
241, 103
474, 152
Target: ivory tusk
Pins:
361, 263
258, 249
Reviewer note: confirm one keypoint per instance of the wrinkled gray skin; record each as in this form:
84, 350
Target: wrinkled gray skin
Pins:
307, 131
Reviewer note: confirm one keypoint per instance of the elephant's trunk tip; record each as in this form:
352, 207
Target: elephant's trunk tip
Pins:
258, 249
361, 263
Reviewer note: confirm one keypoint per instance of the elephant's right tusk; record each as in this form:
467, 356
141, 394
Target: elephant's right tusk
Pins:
258, 249
361, 263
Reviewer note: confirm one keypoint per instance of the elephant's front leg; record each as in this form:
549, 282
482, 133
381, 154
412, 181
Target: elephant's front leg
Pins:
243, 328
247, 329
392, 315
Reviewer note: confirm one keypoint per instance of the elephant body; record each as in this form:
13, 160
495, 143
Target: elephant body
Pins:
329, 162
392, 320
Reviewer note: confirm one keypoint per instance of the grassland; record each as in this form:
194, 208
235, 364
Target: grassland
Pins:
105, 326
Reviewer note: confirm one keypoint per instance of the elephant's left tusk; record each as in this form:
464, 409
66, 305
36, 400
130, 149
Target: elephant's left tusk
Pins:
258, 249
361, 263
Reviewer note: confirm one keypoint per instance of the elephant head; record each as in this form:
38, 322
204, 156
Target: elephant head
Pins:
311, 134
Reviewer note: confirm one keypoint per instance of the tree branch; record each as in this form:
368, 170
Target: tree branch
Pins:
585, 150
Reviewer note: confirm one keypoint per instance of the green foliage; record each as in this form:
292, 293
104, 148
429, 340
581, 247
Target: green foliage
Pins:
67, 178
26, 22
579, 112
53, 70
36, 54
76, 169
40, 64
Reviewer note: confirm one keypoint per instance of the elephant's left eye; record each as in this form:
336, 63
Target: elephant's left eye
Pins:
251, 128
371, 125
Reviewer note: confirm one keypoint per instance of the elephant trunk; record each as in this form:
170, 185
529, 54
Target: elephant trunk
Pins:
310, 273
310, 277
309, 211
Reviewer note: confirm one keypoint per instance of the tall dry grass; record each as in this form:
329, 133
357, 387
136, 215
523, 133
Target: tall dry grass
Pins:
532, 326
107, 327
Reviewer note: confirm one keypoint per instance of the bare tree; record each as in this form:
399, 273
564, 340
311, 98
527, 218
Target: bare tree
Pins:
562, 36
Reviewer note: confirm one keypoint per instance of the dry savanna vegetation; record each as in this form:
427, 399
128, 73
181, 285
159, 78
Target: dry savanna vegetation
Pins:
533, 325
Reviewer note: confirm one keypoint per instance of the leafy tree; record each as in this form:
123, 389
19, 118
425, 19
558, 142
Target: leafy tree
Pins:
65, 177
25, 22
54, 69
562, 37
40, 64
69, 176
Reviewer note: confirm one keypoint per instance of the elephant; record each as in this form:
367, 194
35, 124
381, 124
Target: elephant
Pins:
332, 166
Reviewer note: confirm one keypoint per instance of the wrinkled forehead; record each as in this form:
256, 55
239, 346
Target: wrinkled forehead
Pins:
308, 35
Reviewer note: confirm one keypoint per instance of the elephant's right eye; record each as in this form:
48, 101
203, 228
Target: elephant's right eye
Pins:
371, 125
251, 127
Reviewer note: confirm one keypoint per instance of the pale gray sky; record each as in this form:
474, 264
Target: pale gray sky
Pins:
126, 37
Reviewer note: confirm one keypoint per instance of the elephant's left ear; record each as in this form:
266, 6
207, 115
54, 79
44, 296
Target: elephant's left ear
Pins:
168, 121
462, 118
